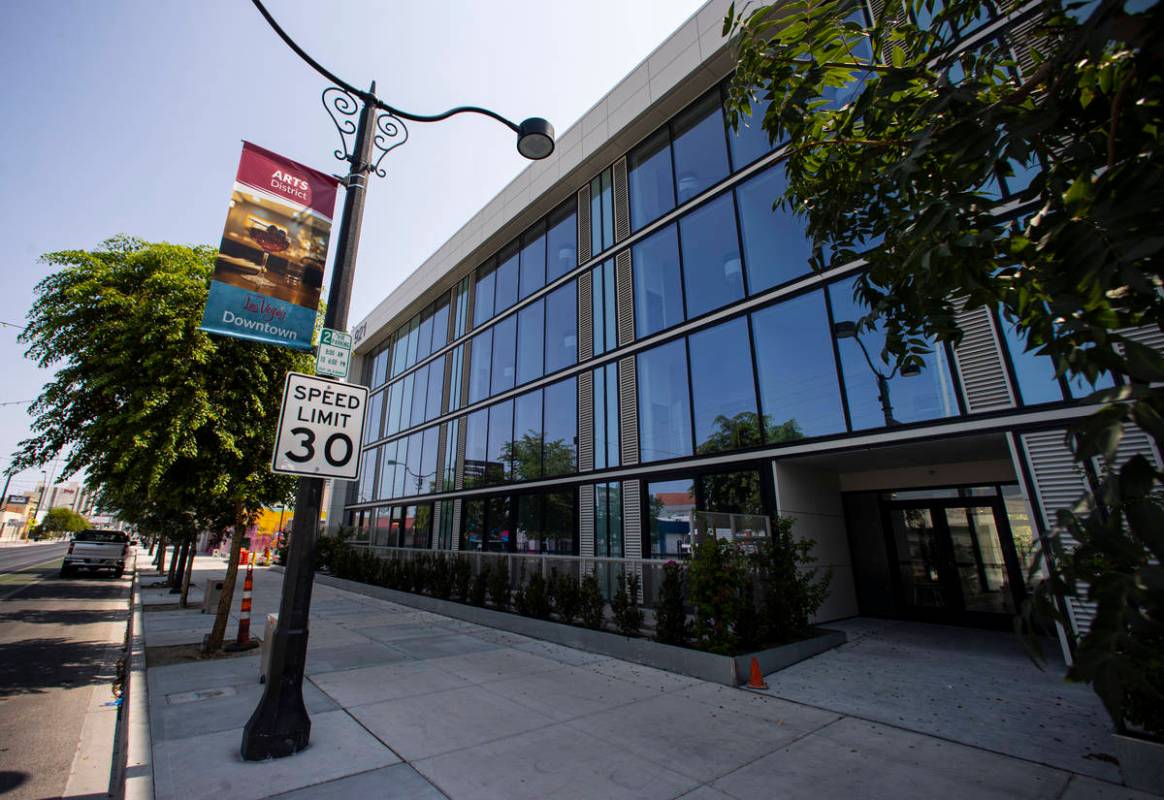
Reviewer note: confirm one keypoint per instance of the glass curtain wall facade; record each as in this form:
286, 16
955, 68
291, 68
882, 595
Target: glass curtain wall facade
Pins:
695, 330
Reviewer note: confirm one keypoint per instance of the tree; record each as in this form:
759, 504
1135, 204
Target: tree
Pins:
898, 136
155, 410
61, 520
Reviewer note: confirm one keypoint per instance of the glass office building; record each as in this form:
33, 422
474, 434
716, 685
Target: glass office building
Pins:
627, 349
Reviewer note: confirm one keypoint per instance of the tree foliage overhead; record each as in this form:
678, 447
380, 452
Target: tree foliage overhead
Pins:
900, 135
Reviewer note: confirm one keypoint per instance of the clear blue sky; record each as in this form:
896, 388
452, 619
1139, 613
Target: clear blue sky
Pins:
126, 117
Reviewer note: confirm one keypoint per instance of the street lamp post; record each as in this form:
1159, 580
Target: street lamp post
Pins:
280, 725
847, 329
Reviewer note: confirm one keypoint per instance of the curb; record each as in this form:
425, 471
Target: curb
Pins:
139, 765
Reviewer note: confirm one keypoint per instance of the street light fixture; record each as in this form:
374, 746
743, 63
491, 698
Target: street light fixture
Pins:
280, 725
847, 329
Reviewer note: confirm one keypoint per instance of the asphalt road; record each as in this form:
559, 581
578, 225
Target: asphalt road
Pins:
59, 643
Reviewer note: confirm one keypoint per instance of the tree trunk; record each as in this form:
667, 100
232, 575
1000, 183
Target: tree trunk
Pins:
161, 560
180, 558
222, 616
175, 562
186, 573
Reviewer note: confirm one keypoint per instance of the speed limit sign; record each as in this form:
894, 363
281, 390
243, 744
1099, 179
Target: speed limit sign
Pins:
321, 425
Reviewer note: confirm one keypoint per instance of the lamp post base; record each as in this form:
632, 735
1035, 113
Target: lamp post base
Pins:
279, 726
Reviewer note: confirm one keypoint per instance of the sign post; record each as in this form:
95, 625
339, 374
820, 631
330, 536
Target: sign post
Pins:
335, 353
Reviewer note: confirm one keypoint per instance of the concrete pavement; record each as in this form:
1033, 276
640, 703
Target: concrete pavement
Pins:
409, 704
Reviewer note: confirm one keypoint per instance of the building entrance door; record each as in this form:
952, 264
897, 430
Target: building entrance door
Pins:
955, 560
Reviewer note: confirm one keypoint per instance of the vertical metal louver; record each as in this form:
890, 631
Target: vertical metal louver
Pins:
1060, 482
459, 477
438, 480
1149, 337
985, 382
628, 412
586, 521
585, 421
624, 297
434, 525
621, 201
632, 520
584, 253
455, 534
470, 300
1025, 39
585, 317
448, 379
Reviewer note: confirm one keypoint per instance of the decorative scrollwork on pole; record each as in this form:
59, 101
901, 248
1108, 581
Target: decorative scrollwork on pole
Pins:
391, 132
343, 107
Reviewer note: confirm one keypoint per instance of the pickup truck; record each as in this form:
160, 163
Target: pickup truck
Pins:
96, 550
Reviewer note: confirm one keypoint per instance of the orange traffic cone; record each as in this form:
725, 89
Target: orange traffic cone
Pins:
244, 641
756, 680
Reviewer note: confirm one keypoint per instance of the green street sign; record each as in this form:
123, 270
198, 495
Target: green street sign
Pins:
335, 353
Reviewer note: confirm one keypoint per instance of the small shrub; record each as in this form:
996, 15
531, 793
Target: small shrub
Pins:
592, 608
671, 626
789, 589
478, 586
420, 573
499, 585
441, 576
535, 598
567, 597
717, 579
628, 617
462, 578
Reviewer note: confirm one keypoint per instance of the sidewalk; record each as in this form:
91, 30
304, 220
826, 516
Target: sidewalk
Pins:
410, 704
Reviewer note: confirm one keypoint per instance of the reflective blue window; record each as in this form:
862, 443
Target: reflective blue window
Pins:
436, 386
395, 392
440, 324
531, 337
560, 428
387, 471
722, 388
367, 485
799, 394
480, 357
400, 480
533, 260
429, 446
1035, 373
399, 350
699, 147
911, 398
664, 402
500, 467
456, 376
424, 337
649, 181
657, 282
476, 447
527, 436
450, 472
414, 478
419, 396
608, 520
483, 299
504, 353
406, 386
776, 248
602, 307
712, 272
506, 290
375, 411
606, 426
413, 337
380, 368
601, 213
561, 243
838, 97
561, 327
750, 141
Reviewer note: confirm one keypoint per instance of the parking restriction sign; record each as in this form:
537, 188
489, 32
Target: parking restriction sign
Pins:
334, 354
321, 425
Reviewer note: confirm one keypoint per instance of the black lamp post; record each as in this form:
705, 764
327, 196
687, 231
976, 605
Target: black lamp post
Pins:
847, 329
280, 725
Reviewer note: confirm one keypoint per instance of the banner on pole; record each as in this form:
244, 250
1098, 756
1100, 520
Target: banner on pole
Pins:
269, 271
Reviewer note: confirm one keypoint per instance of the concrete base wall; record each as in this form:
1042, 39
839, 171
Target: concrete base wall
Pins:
812, 498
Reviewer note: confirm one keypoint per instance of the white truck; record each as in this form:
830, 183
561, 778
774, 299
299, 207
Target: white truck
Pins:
94, 549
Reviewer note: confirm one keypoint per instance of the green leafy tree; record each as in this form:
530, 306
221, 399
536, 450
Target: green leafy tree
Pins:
897, 135
152, 408
58, 521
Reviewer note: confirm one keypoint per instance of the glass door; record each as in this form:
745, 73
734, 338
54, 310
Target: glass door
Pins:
954, 561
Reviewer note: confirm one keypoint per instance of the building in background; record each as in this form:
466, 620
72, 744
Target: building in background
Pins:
627, 348
14, 515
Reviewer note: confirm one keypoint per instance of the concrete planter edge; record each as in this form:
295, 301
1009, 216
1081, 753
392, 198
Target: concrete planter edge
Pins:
725, 670
1141, 762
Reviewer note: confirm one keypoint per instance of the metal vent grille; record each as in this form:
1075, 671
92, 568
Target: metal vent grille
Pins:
628, 412
448, 379
632, 522
985, 384
621, 201
455, 534
584, 253
586, 521
435, 524
624, 297
459, 479
1059, 484
1024, 39
438, 481
1149, 337
585, 317
585, 421
470, 300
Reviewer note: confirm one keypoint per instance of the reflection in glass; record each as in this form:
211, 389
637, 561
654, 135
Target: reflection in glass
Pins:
440, 324
473, 525
749, 140
372, 424
918, 560
731, 492
480, 357
436, 386
979, 560
608, 520
560, 407
498, 530
796, 371
476, 447
699, 146
561, 327
1037, 382
664, 403
428, 459
483, 299
602, 307
657, 289
670, 504
529, 523
776, 248
606, 416
531, 339
712, 272
601, 213
506, 289
724, 392
504, 352
651, 188
526, 454
560, 531
500, 466
419, 395
561, 242
533, 260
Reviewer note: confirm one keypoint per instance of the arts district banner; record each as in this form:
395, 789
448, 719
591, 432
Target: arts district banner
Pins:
269, 272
